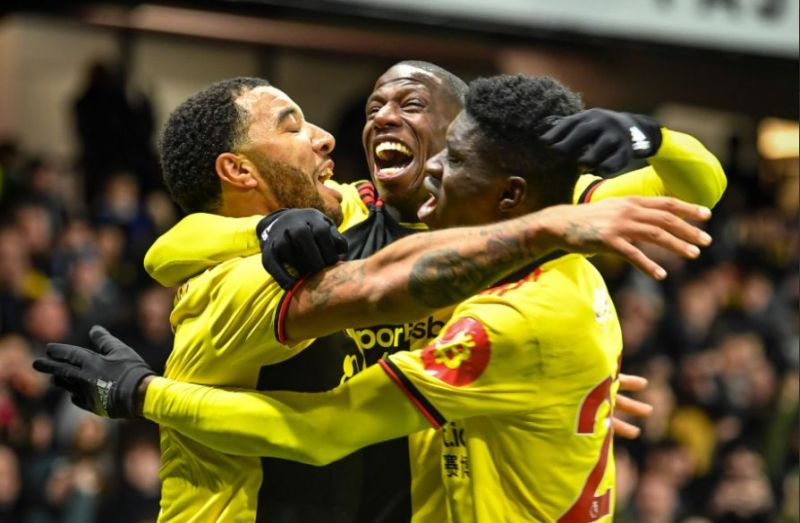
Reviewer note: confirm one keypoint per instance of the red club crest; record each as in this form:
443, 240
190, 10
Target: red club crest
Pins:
460, 355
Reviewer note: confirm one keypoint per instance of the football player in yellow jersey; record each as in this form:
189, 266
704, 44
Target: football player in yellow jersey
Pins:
454, 266
410, 107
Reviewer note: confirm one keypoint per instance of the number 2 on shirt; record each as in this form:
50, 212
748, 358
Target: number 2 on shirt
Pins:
590, 507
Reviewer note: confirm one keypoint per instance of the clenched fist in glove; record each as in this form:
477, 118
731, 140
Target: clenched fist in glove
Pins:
605, 140
298, 242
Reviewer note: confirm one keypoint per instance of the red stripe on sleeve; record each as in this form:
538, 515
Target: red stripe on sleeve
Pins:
396, 379
284, 307
588, 196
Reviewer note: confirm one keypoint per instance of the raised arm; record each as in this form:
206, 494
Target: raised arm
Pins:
682, 168
606, 141
428, 271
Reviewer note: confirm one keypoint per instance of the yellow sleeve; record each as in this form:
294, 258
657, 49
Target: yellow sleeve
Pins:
314, 428
682, 168
354, 210
188, 248
225, 325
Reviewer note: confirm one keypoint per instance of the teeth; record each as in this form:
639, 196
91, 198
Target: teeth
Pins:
326, 175
390, 170
391, 146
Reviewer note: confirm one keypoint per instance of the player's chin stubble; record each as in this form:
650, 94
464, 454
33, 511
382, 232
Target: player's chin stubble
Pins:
295, 189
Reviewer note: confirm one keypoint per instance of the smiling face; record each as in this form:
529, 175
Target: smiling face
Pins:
407, 117
464, 189
291, 155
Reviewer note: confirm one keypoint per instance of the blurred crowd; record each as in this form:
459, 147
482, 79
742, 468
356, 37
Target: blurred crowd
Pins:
719, 344
718, 340
72, 240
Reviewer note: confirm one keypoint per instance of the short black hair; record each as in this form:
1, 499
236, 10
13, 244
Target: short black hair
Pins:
455, 86
511, 112
206, 125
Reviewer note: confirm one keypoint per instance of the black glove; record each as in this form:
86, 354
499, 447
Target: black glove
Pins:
610, 139
101, 380
298, 242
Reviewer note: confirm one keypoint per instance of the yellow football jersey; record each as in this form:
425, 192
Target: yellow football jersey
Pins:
522, 383
223, 319
684, 169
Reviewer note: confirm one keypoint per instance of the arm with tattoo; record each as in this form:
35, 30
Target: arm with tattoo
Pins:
428, 271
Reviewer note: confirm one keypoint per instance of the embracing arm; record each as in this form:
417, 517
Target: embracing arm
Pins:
311, 428
429, 271
682, 168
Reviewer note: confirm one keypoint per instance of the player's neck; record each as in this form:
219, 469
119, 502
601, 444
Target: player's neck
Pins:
244, 205
403, 215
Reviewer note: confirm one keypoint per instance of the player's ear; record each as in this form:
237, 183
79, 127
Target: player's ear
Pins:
236, 170
513, 194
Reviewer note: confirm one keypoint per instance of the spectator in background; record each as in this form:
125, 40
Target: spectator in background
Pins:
93, 296
10, 487
119, 266
120, 205
45, 185
138, 490
47, 320
69, 488
35, 225
78, 236
115, 125
627, 478
656, 500
742, 494
12, 162
152, 335
791, 497
20, 282
640, 308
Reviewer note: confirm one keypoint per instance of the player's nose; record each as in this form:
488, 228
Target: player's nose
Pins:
434, 167
388, 115
322, 140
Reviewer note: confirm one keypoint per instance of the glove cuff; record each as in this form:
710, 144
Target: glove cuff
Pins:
124, 404
265, 222
649, 143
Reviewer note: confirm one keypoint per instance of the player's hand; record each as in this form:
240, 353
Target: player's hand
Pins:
101, 379
605, 140
297, 243
616, 224
630, 406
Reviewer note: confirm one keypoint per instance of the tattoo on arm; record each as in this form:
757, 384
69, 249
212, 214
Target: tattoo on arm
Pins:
582, 234
348, 273
440, 277
445, 276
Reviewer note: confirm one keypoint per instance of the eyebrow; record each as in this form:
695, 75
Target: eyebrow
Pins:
285, 113
374, 96
403, 90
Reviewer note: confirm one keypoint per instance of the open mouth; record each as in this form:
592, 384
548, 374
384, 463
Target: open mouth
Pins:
432, 185
325, 175
391, 158
325, 171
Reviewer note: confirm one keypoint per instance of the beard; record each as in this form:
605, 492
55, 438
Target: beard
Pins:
295, 189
